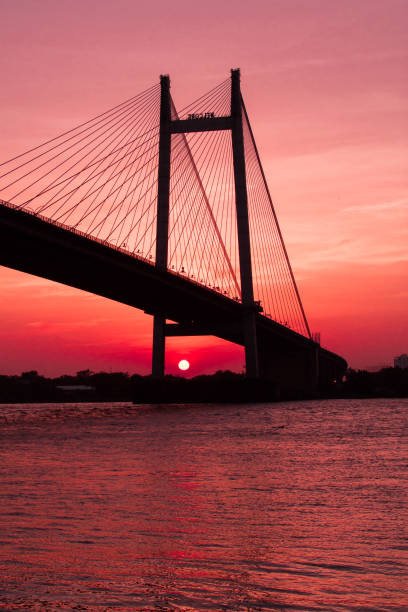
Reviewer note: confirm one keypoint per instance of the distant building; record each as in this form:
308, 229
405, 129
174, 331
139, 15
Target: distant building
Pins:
401, 362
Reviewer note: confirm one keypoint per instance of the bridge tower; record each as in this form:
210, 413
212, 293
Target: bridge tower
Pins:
162, 232
233, 123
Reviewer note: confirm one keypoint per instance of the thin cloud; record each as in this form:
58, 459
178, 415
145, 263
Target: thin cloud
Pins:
66, 326
401, 205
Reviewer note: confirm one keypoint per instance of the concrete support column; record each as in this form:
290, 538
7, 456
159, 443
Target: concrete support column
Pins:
162, 231
317, 367
159, 346
251, 346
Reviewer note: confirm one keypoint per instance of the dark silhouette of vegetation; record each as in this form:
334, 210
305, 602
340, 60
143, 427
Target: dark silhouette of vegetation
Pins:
388, 382
86, 385
83, 386
223, 386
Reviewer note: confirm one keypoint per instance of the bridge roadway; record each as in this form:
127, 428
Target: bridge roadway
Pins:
33, 244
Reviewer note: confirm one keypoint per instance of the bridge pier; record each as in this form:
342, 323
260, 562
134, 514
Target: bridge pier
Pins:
293, 369
301, 371
251, 345
159, 346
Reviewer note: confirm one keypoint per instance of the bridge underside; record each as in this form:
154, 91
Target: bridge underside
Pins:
32, 245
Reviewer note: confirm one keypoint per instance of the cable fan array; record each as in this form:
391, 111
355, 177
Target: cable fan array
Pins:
274, 283
202, 229
100, 179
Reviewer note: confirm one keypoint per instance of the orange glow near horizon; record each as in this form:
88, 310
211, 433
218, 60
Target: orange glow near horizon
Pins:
325, 88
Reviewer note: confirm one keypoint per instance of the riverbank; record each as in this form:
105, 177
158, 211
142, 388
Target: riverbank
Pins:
223, 386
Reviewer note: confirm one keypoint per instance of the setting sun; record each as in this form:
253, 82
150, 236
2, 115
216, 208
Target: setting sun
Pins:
183, 364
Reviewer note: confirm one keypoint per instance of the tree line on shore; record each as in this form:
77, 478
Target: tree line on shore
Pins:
86, 385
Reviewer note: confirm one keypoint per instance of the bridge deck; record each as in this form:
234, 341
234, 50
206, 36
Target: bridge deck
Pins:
33, 245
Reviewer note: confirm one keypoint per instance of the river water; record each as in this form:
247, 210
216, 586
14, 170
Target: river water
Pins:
287, 506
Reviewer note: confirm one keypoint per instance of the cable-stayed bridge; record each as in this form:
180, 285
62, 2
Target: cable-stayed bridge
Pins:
167, 211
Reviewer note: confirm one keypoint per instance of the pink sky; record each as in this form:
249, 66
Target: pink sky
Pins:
326, 90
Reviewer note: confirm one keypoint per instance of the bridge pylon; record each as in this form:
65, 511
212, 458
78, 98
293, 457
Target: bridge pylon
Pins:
162, 231
244, 244
234, 123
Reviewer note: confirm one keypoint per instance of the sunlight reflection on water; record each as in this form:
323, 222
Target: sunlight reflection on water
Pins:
291, 506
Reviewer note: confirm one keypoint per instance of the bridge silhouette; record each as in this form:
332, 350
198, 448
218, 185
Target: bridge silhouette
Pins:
168, 212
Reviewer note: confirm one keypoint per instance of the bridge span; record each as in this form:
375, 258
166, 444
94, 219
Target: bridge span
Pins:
31, 244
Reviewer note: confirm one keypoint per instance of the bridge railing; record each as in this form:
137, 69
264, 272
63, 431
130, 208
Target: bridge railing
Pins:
106, 243
137, 256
